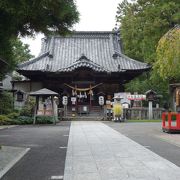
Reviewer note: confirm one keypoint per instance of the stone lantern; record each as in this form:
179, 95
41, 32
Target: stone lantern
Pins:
150, 96
158, 97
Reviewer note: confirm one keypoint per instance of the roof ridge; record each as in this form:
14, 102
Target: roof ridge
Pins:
88, 61
73, 33
93, 32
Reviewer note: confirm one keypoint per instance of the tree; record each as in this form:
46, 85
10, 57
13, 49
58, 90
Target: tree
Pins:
168, 55
142, 24
6, 102
27, 17
21, 52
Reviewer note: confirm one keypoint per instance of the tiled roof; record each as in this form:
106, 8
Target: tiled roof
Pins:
43, 91
101, 52
83, 61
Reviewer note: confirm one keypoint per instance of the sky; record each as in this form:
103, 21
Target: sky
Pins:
95, 15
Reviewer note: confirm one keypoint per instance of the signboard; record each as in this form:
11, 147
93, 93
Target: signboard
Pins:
136, 97
123, 96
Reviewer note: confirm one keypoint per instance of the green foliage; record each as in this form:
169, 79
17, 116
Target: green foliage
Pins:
4, 119
44, 120
142, 24
13, 115
15, 119
168, 55
20, 120
23, 120
20, 51
25, 18
149, 81
28, 108
6, 103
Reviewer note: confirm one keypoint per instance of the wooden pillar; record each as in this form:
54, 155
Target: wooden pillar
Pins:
90, 98
52, 102
36, 109
76, 98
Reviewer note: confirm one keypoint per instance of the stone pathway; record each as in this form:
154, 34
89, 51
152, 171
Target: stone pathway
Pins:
7, 126
9, 156
97, 152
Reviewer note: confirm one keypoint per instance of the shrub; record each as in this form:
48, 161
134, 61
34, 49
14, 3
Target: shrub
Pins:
13, 115
20, 120
24, 120
44, 120
28, 108
4, 120
6, 103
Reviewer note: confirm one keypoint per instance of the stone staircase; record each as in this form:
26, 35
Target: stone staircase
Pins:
96, 114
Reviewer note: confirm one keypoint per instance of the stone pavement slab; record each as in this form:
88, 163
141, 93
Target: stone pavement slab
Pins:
97, 152
7, 126
9, 156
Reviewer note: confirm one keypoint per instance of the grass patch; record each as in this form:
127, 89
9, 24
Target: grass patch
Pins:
144, 120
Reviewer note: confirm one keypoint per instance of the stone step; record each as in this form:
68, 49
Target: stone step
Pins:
84, 118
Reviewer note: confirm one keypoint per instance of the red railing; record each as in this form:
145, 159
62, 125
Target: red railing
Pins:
169, 124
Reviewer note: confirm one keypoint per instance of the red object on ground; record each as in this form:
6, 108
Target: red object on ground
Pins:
170, 125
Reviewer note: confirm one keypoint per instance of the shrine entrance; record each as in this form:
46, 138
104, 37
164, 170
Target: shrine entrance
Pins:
83, 99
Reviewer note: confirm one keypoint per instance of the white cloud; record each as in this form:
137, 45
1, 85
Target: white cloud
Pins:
95, 15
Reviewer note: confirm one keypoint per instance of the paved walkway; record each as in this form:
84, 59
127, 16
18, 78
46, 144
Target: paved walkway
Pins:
8, 126
97, 152
9, 156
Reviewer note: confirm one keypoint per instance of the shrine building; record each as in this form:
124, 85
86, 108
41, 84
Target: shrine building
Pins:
81, 66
